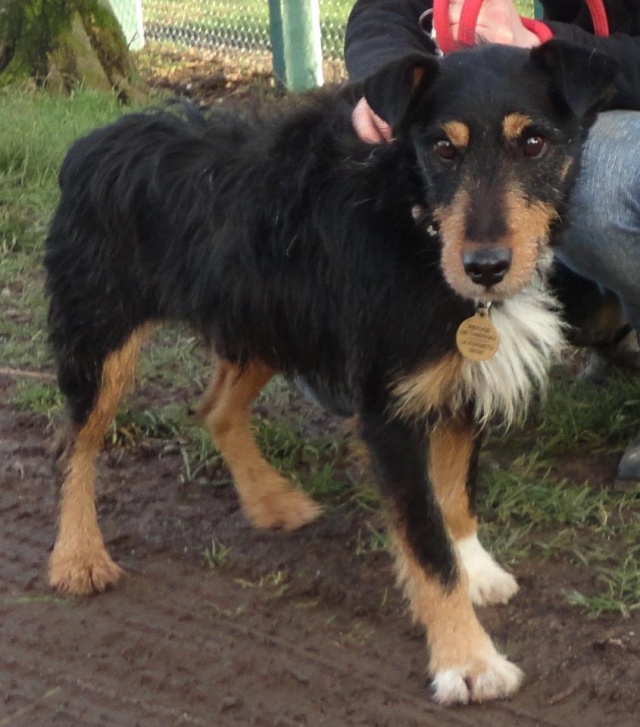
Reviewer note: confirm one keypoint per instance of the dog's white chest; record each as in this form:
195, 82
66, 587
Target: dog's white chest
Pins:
531, 339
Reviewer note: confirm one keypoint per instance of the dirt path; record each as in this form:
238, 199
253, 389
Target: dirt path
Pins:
290, 630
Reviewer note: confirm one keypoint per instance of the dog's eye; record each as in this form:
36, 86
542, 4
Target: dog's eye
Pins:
445, 150
534, 146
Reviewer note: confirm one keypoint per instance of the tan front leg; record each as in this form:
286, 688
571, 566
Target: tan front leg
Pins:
452, 445
266, 497
464, 664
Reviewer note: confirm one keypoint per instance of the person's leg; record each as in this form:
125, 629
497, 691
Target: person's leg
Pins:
602, 238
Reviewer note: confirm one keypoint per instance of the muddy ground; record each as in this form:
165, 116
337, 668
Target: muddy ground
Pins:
280, 630
286, 629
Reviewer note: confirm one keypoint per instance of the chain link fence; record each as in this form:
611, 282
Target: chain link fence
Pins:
236, 24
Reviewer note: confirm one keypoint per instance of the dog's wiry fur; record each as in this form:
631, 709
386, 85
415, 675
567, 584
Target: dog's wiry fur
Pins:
293, 247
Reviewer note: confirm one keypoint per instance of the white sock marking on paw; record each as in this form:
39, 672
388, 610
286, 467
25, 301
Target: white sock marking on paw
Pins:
500, 679
450, 687
491, 678
488, 582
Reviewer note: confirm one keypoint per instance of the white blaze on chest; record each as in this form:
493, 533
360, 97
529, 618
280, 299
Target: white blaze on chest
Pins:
531, 340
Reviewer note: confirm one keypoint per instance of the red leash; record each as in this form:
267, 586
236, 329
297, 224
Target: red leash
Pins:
469, 20
598, 17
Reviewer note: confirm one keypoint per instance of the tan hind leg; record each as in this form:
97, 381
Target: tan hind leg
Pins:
267, 498
452, 444
79, 563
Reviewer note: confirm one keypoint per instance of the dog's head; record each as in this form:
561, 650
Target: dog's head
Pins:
496, 133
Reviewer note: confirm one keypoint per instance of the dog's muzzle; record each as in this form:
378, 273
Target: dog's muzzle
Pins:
487, 266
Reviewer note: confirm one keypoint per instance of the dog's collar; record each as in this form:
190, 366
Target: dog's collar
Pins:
428, 28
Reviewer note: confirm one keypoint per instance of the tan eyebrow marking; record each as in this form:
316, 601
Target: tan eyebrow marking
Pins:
457, 132
514, 124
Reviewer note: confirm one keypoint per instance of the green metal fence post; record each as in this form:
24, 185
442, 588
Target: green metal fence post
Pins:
129, 15
302, 43
277, 40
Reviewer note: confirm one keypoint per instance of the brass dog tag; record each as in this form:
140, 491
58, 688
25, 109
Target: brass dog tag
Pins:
477, 338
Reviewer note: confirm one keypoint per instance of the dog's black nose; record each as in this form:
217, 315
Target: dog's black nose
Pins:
487, 266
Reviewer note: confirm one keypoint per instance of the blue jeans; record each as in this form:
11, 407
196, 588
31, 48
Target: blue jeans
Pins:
602, 240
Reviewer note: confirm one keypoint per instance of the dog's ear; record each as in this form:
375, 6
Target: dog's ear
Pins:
583, 77
391, 90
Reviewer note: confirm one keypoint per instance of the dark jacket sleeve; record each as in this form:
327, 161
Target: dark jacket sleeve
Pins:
623, 48
380, 31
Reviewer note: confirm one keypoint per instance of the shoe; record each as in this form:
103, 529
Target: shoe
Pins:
629, 467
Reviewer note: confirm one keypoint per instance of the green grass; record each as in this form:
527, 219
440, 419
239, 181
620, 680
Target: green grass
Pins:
311, 463
216, 554
532, 510
597, 419
35, 131
235, 13
619, 588
39, 398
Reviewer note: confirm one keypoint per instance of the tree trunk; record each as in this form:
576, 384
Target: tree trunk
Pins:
63, 43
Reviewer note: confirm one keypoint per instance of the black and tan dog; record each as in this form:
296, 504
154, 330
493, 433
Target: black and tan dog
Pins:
295, 248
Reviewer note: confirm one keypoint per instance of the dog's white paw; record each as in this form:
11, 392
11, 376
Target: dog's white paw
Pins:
488, 582
493, 678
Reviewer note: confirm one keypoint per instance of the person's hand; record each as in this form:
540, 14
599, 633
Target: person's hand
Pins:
368, 125
498, 22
